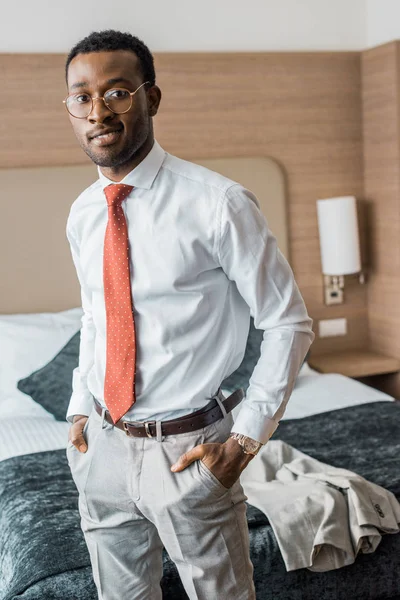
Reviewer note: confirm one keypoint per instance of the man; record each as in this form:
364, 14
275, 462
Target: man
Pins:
171, 259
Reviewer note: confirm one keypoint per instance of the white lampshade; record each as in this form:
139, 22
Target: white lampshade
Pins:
338, 236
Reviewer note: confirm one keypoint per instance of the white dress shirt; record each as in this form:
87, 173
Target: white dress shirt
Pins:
202, 260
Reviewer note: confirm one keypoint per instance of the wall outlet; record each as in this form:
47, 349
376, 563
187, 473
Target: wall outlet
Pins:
332, 327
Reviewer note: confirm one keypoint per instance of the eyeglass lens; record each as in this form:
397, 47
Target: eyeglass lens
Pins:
118, 100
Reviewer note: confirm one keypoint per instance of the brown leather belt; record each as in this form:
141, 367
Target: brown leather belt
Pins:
191, 422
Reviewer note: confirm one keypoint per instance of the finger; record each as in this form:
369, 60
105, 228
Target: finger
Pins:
77, 435
186, 459
81, 444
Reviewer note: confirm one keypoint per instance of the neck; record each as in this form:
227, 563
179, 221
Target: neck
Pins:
119, 172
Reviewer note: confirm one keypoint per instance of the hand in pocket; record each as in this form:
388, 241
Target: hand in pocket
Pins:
75, 434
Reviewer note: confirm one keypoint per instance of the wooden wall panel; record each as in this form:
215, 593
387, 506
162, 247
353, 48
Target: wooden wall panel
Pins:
302, 109
381, 132
35, 129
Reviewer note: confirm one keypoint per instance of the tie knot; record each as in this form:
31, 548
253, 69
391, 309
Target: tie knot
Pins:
117, 192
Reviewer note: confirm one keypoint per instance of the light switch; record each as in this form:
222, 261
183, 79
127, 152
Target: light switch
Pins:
332, 327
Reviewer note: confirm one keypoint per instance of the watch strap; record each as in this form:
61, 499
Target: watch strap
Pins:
249, 445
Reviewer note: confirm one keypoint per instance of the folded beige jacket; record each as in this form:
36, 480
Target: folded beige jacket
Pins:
322, 516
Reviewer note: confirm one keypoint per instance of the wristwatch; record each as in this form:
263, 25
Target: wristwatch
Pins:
249, 445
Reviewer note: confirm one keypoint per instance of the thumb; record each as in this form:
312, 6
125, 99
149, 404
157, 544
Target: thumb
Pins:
77, 435
186, 459
81, 444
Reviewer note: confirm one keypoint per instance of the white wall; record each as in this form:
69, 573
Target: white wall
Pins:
383, 21
192, 25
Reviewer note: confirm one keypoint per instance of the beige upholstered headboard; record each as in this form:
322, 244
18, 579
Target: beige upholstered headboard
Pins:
36, 269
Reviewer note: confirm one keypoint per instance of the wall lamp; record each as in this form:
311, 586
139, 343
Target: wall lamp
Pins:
339, 244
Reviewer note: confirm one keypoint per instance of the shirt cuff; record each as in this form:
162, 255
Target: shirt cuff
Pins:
79, 405
253, 425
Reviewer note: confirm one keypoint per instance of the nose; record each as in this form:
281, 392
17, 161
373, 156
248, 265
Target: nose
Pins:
100, 111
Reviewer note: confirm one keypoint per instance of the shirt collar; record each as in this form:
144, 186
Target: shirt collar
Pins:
144, 174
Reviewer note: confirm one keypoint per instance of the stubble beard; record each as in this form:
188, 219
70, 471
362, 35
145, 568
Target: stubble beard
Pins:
113, 157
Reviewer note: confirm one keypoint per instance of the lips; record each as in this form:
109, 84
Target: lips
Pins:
106, 136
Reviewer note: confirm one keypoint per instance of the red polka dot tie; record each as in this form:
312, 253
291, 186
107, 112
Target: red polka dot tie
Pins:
119, 384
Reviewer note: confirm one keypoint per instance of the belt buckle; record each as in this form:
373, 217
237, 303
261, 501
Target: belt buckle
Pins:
146, 427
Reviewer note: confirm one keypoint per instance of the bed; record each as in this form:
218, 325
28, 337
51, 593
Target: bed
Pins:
42, 550
43, 555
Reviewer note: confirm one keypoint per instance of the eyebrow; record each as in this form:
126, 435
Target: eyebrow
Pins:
82, 84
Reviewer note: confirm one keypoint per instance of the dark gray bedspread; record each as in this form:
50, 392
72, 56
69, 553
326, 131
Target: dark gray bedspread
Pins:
43, 555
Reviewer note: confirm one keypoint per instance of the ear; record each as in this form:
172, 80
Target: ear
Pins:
153, 100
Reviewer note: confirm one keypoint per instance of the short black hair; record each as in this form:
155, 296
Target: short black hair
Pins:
109, 40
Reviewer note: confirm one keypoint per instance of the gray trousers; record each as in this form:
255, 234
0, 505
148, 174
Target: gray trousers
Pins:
131, 505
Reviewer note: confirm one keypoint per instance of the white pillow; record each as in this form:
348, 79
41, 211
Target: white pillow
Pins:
27, 343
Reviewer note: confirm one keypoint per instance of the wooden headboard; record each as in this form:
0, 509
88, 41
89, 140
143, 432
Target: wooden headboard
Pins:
301, 109
39, 270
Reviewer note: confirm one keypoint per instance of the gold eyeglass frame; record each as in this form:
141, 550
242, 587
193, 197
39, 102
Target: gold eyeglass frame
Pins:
93, 98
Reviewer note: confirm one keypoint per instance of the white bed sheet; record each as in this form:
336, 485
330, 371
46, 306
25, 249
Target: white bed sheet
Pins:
27, 435
314, 393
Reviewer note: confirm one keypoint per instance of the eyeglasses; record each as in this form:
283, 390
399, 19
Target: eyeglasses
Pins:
118, 100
